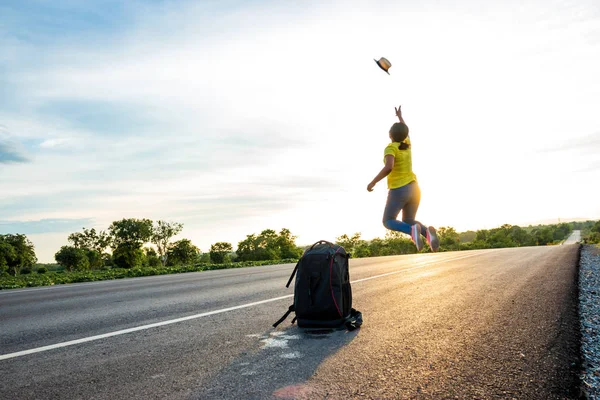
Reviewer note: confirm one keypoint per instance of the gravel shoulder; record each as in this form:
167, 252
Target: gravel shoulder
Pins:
589, 311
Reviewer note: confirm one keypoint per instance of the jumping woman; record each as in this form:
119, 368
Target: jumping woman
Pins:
404, 192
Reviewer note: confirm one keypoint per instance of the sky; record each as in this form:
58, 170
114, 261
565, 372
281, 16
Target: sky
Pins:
232, 117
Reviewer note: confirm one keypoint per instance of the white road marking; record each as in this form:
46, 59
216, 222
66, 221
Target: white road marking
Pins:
274, 343
137, 328
278, 339
206, 314
293, 354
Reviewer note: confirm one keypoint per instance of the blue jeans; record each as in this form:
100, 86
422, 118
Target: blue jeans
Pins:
407, 199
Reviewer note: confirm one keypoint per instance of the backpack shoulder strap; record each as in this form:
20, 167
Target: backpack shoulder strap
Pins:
290, 310
293, 273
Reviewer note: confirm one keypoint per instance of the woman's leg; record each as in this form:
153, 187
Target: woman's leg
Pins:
409, 211
396, 200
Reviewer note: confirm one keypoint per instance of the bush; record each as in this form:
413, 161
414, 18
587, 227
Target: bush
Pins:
42, 270
153, 262
182, 252
593, 238
219, 251
203, 258
151, 258
55, 267
61, 277
72, 258
25, 271
108, 260
16, 253
94, 258
362, 251
126, 256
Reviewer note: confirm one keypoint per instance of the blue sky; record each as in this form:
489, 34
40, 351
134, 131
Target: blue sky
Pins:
233, 117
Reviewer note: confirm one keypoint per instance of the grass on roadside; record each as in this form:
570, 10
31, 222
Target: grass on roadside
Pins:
61, 277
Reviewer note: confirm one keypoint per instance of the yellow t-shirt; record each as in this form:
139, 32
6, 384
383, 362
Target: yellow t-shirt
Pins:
402, 173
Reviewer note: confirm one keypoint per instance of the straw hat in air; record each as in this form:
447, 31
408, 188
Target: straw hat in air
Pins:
384, 64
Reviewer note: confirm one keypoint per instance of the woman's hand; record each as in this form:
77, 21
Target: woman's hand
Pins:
399, 113
370, 186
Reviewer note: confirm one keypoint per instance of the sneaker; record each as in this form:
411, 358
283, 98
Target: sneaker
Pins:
415, 235
432, 239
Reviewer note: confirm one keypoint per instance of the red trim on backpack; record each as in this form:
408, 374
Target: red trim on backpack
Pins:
330, 286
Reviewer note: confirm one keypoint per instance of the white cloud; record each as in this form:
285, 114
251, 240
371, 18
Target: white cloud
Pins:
55, 142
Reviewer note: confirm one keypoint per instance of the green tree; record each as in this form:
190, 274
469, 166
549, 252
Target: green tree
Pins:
93, 243
287, 245
8, 255
151, 258
378, 247
449, 238
349, 243
128, 256
398, 243
108, 260
542, 236
561, 231
162, 232
479, 241
482, 235
592, 238
21, 256
131, 232
204, 258
218, 251
95, 258
182, 252
72, 258
268, 245
590, 231
362, 250
247, 249
519, 236
500, 237
467, 236
91, 240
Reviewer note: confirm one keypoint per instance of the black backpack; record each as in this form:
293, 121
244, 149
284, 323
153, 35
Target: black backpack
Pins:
322, 292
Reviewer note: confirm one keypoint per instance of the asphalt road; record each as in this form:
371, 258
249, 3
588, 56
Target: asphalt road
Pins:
575, 237
478, 324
